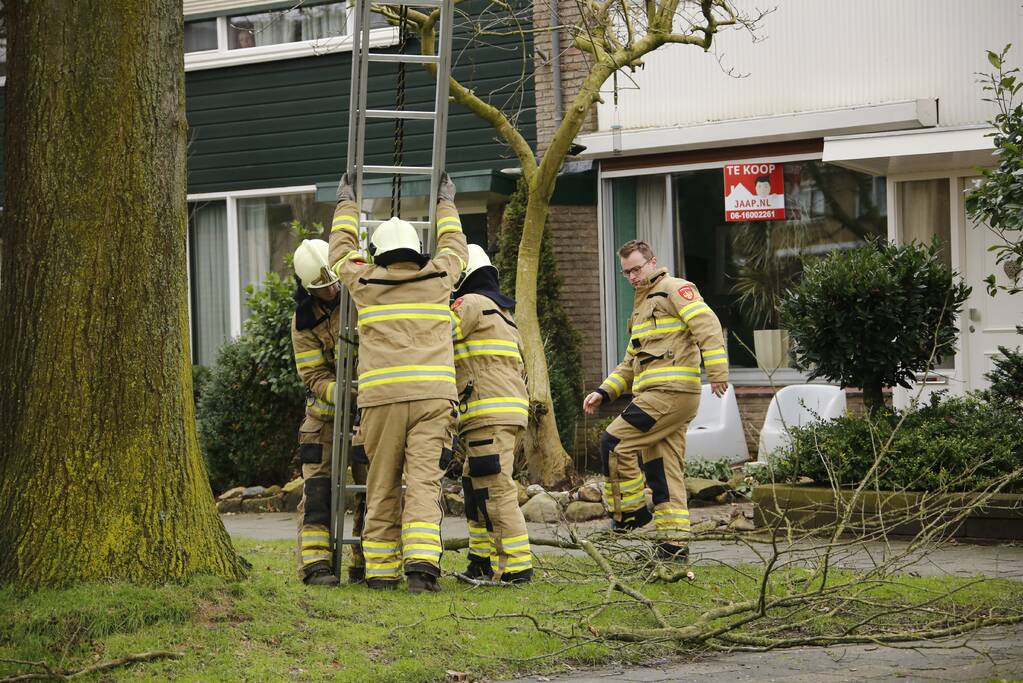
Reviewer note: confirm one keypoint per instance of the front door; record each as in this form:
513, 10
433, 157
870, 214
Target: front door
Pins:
989, 322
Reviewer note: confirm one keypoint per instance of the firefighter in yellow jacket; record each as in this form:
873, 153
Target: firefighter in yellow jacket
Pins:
493, 412
313, 336
670, 331
407, 394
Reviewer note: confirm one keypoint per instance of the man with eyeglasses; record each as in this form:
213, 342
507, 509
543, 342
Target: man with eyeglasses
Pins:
671, 329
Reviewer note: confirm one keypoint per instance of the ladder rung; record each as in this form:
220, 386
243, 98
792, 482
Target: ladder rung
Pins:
350, 541
399, 170
399, 114
399, 58
415, 224
355, 488
417, 3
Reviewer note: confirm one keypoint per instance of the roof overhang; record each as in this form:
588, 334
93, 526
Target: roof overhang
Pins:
475, 189
798, 126
918, 151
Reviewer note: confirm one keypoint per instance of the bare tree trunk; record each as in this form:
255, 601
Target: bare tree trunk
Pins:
100, 471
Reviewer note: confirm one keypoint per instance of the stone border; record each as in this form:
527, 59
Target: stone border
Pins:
812, 507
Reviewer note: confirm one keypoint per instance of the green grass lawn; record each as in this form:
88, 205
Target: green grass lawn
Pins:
271, 627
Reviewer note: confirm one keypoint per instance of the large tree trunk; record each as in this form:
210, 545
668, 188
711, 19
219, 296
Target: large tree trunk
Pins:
546, 459
100, 471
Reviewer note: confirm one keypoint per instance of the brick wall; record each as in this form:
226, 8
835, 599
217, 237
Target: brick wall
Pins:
574, 67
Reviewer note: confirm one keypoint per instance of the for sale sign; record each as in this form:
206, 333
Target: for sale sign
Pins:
754, 192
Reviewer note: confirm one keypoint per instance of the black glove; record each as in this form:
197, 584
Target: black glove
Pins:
345, 191
446, 191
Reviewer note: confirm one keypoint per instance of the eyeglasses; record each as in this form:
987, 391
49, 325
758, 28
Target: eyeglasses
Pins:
635, 270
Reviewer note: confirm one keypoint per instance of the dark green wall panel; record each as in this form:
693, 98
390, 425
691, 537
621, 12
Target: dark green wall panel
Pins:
286, 123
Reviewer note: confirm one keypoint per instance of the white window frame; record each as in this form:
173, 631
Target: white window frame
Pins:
234, 286
607, 251
954, 378
223, 57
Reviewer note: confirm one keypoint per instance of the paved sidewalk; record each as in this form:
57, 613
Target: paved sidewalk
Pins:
1002, 561
991, 654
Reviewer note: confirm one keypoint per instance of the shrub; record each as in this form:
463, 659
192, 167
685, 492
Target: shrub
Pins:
200, 377
560, 340
997, 199
948, 444
874, 317
251, 408
1007, 377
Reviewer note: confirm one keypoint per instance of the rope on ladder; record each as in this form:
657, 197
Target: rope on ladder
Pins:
399, 104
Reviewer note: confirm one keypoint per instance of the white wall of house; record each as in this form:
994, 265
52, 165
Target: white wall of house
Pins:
826, 54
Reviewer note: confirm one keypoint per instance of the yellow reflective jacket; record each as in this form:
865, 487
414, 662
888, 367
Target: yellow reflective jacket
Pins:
488, 365
671, 330
405, 350
313, 337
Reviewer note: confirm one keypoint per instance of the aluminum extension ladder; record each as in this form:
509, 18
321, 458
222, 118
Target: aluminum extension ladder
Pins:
359, 112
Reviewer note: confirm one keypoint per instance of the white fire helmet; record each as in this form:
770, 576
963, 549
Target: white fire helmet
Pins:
312, 265
392, 234
477, 259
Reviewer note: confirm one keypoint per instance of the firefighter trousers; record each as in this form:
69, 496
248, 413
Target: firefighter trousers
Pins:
413, 438
497, 529
315, 440
645, 446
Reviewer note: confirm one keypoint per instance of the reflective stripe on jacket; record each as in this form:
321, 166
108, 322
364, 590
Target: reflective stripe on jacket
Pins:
488, 364
671, 330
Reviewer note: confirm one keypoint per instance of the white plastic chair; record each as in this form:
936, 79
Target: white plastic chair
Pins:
716, 431
795, 406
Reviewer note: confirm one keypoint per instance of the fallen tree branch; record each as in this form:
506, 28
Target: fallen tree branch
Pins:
49, 673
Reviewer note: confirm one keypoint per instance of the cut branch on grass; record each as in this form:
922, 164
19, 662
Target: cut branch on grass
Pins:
50, 673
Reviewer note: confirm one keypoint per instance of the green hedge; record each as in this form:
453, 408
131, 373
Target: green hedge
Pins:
252, 405
957, 443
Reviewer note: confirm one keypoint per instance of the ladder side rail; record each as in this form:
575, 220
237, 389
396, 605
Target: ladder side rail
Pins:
440, 123
363, 22
340, 440
344, 410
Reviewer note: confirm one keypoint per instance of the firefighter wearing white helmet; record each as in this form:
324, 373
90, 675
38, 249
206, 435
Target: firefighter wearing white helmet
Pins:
493, 412
313, 337
407, 389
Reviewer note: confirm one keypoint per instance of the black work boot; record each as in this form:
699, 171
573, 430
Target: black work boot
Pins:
356, 574
382, 584
523, 576
670, 551
479, 568
633, 520
421, 582
320, 576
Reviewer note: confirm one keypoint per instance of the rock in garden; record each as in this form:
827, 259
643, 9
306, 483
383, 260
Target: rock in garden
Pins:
523, 496
236, 492
581, 511
229, 505
563, 497
454, 504
254, 492
542, 508
590, 492
262, 504
704, 489
534, 489
742, 524
291, 500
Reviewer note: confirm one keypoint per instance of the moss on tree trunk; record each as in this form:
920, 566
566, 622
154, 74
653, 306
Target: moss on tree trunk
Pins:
100, 471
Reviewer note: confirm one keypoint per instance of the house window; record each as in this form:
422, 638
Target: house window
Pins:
3, 48
742, 270
200, 35
234, 241
209, 277
286, 26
